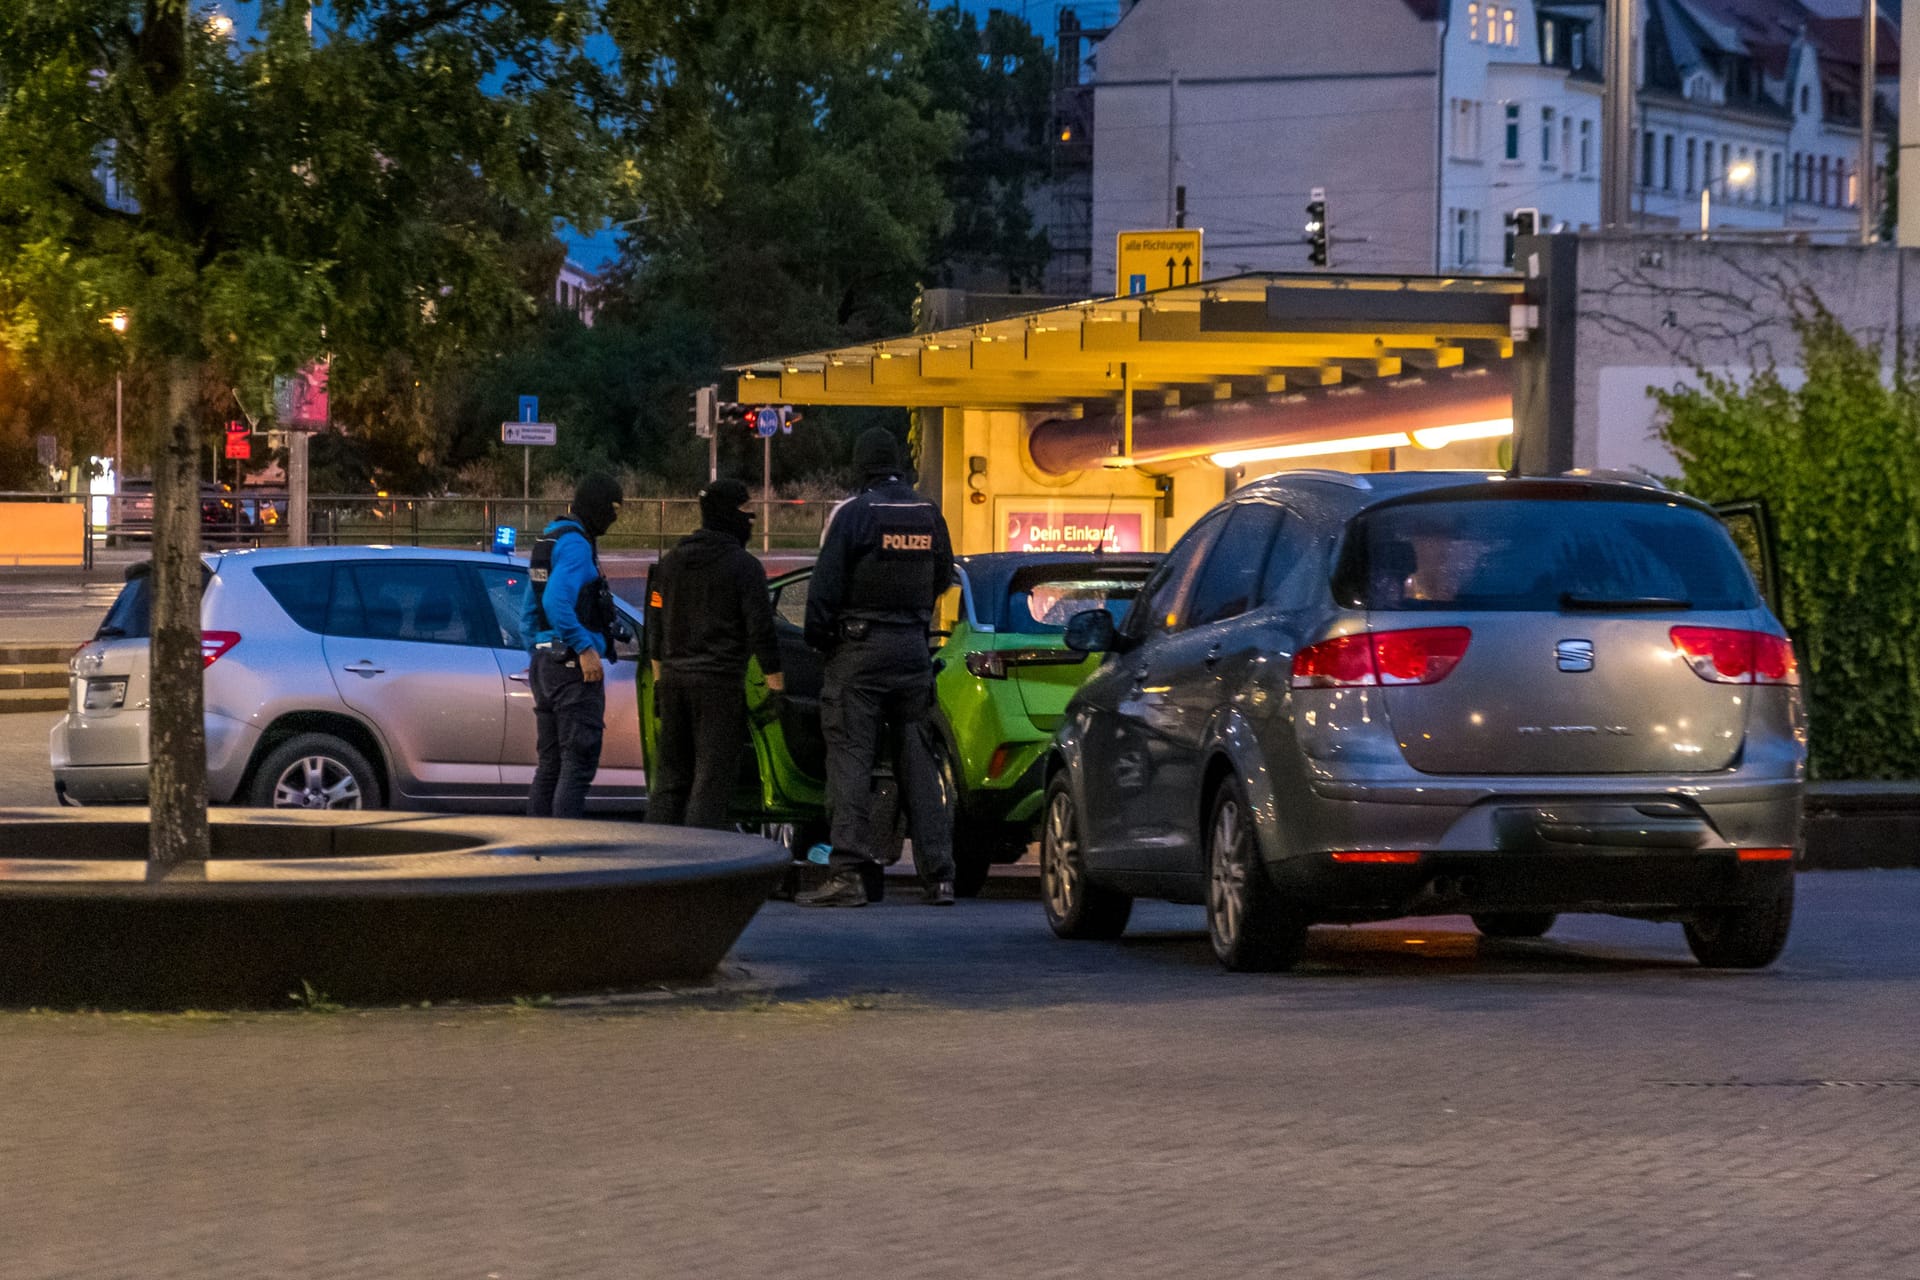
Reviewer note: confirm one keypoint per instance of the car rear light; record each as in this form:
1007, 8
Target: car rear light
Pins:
1422, 655
1394, 857
988, 665
214, 646
1766, 855
1728, 655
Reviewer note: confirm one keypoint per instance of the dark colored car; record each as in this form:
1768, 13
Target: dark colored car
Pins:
1348, 698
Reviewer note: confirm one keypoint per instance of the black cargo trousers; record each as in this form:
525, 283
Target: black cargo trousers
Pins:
570, 721
877, 695
702, 733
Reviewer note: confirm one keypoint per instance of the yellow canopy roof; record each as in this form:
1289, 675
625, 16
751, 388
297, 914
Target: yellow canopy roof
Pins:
1217, 340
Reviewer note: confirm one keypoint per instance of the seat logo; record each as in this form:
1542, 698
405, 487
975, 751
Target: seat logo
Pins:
1574, 655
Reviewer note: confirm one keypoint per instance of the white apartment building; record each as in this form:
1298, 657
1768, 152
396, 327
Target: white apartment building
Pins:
1429, 122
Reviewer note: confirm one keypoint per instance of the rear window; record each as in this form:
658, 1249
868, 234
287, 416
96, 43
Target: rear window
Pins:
1533, 555
1042, 603
131, 617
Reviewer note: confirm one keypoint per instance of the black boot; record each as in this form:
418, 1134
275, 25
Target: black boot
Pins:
842, 889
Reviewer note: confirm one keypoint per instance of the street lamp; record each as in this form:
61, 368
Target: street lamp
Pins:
1738, 174
118, 323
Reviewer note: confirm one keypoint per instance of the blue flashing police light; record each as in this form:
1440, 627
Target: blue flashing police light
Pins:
504, 538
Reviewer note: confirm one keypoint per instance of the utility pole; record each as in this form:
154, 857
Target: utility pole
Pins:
1616, 145
1869, 19
1173, 140
1906, 232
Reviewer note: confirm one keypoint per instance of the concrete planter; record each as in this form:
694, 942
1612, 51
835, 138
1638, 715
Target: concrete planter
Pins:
365, 906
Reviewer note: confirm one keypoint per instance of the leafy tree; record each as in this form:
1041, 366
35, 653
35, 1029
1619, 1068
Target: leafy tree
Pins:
997, 77
1837, 460
357, 179
795, 192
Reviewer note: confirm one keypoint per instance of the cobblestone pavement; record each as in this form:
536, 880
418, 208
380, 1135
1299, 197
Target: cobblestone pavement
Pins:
909, 1093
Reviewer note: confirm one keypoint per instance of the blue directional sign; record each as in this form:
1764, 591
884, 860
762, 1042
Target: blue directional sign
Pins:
766, 421
529, 408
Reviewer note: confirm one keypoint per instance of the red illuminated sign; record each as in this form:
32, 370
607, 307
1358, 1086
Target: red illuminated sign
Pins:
1074, 531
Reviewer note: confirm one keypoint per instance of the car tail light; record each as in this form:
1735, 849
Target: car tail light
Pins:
1422, 655
1391, 857
214, 646
1766, 855
1727, 655
988, 664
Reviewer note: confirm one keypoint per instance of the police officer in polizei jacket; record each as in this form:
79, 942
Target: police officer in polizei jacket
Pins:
569, 623
883, 566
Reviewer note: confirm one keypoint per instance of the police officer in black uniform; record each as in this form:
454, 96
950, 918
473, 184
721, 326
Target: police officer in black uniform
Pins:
886, 560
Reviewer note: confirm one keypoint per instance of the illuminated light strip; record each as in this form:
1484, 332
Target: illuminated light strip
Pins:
1397, 856
1766, 855
1351, 444
1441, 437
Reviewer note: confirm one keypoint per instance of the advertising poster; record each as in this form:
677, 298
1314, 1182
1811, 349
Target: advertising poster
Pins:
1078, 524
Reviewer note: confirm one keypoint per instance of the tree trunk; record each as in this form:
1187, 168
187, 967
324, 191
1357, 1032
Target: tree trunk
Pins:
177, 777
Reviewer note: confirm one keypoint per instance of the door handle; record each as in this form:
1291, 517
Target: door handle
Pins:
1213, 655
363, 668
523, 677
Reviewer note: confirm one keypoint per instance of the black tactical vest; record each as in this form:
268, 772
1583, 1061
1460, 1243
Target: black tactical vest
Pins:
594, 606
896, 573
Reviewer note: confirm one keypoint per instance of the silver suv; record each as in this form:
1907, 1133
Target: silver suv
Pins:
340, 678
1347, 698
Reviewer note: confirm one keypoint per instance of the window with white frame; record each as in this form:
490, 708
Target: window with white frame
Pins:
1509, 32
1578, 48
1473, 22
1549, 30
1466, 129
1546, 135
1566, 142
1513, 131
1466, 237
1586, 147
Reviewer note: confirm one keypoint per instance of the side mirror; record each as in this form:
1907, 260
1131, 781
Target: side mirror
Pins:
1090, 631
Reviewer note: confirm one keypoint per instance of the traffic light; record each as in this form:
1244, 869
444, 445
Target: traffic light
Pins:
1521, 222
706, 410
1319, 241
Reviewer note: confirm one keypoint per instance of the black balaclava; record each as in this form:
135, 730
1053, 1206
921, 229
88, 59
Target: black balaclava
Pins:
720, 509
596, 503
876, 454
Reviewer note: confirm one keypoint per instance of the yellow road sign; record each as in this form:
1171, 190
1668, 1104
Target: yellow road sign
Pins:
1148, 260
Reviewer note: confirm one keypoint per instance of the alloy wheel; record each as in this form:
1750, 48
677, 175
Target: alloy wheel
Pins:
1059, 854
1227, 878
317, 782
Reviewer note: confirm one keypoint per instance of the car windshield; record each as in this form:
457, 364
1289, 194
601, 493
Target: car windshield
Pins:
1541, 555
1043, 603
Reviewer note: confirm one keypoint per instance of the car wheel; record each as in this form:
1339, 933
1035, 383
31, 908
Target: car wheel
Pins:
1513, 924
1749, 937
1076, 907
315, 771
1253, 930
973, 843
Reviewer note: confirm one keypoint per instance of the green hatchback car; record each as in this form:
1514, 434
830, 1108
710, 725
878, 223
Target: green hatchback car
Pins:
1003, 675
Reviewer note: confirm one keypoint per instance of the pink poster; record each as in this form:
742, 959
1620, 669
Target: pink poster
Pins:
1074, 531
301, 400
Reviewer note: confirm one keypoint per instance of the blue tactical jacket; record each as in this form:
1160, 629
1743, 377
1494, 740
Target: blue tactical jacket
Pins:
573, 569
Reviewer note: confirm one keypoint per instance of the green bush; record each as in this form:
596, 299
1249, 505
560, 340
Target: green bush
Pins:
1837, 461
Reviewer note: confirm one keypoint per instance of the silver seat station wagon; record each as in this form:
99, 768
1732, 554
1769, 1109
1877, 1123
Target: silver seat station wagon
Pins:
1347, 698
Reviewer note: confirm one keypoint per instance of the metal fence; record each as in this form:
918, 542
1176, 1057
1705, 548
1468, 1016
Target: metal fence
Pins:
645, 523
250, 518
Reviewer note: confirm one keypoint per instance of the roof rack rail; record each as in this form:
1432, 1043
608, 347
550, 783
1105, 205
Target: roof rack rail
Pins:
1346, 478
1618, 476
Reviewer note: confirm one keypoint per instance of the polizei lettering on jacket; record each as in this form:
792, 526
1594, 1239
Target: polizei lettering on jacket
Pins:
906, 542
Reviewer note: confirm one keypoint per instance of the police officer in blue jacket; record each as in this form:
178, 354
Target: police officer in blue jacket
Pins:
886, 560
569, 621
